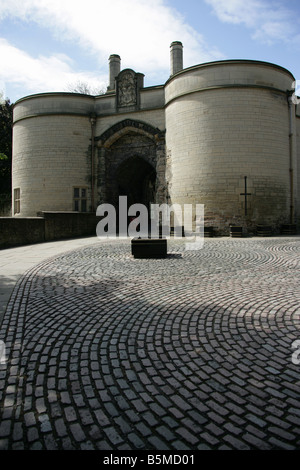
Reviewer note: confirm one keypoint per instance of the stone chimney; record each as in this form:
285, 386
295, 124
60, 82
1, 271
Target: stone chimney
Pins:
176, 57
114, 70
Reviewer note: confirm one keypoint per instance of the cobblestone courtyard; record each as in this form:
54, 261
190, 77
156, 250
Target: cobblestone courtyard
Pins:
194, 351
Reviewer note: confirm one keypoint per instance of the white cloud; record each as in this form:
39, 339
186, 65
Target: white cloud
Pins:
271, 21
140, 31
39, 74
237, 11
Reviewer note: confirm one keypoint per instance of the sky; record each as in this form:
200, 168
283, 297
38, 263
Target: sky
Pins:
52, 45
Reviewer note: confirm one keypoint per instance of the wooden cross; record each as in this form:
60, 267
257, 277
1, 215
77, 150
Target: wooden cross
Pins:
245, 194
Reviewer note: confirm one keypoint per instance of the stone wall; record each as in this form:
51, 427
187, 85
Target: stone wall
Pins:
21, 231
69, 225
49, 226
298, 163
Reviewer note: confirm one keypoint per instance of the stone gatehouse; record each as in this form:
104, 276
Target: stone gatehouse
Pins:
225, 134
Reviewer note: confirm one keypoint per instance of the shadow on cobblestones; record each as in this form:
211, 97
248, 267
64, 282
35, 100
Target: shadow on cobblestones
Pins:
193, 352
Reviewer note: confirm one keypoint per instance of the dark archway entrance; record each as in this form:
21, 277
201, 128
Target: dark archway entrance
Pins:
136, 179
131, 162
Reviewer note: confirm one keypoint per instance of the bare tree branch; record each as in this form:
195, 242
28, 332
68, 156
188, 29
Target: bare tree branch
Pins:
84, 88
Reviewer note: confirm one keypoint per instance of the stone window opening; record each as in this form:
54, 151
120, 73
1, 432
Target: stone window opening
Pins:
80, 199
17, 198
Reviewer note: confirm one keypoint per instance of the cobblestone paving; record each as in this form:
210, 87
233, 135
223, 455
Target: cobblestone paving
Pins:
109, 352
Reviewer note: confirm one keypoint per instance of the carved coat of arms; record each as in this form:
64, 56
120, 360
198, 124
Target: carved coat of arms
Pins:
127, 90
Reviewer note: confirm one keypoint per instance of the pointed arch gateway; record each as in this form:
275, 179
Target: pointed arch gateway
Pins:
131, 162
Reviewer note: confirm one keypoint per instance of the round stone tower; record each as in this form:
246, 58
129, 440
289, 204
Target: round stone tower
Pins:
50, 139
228, 123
